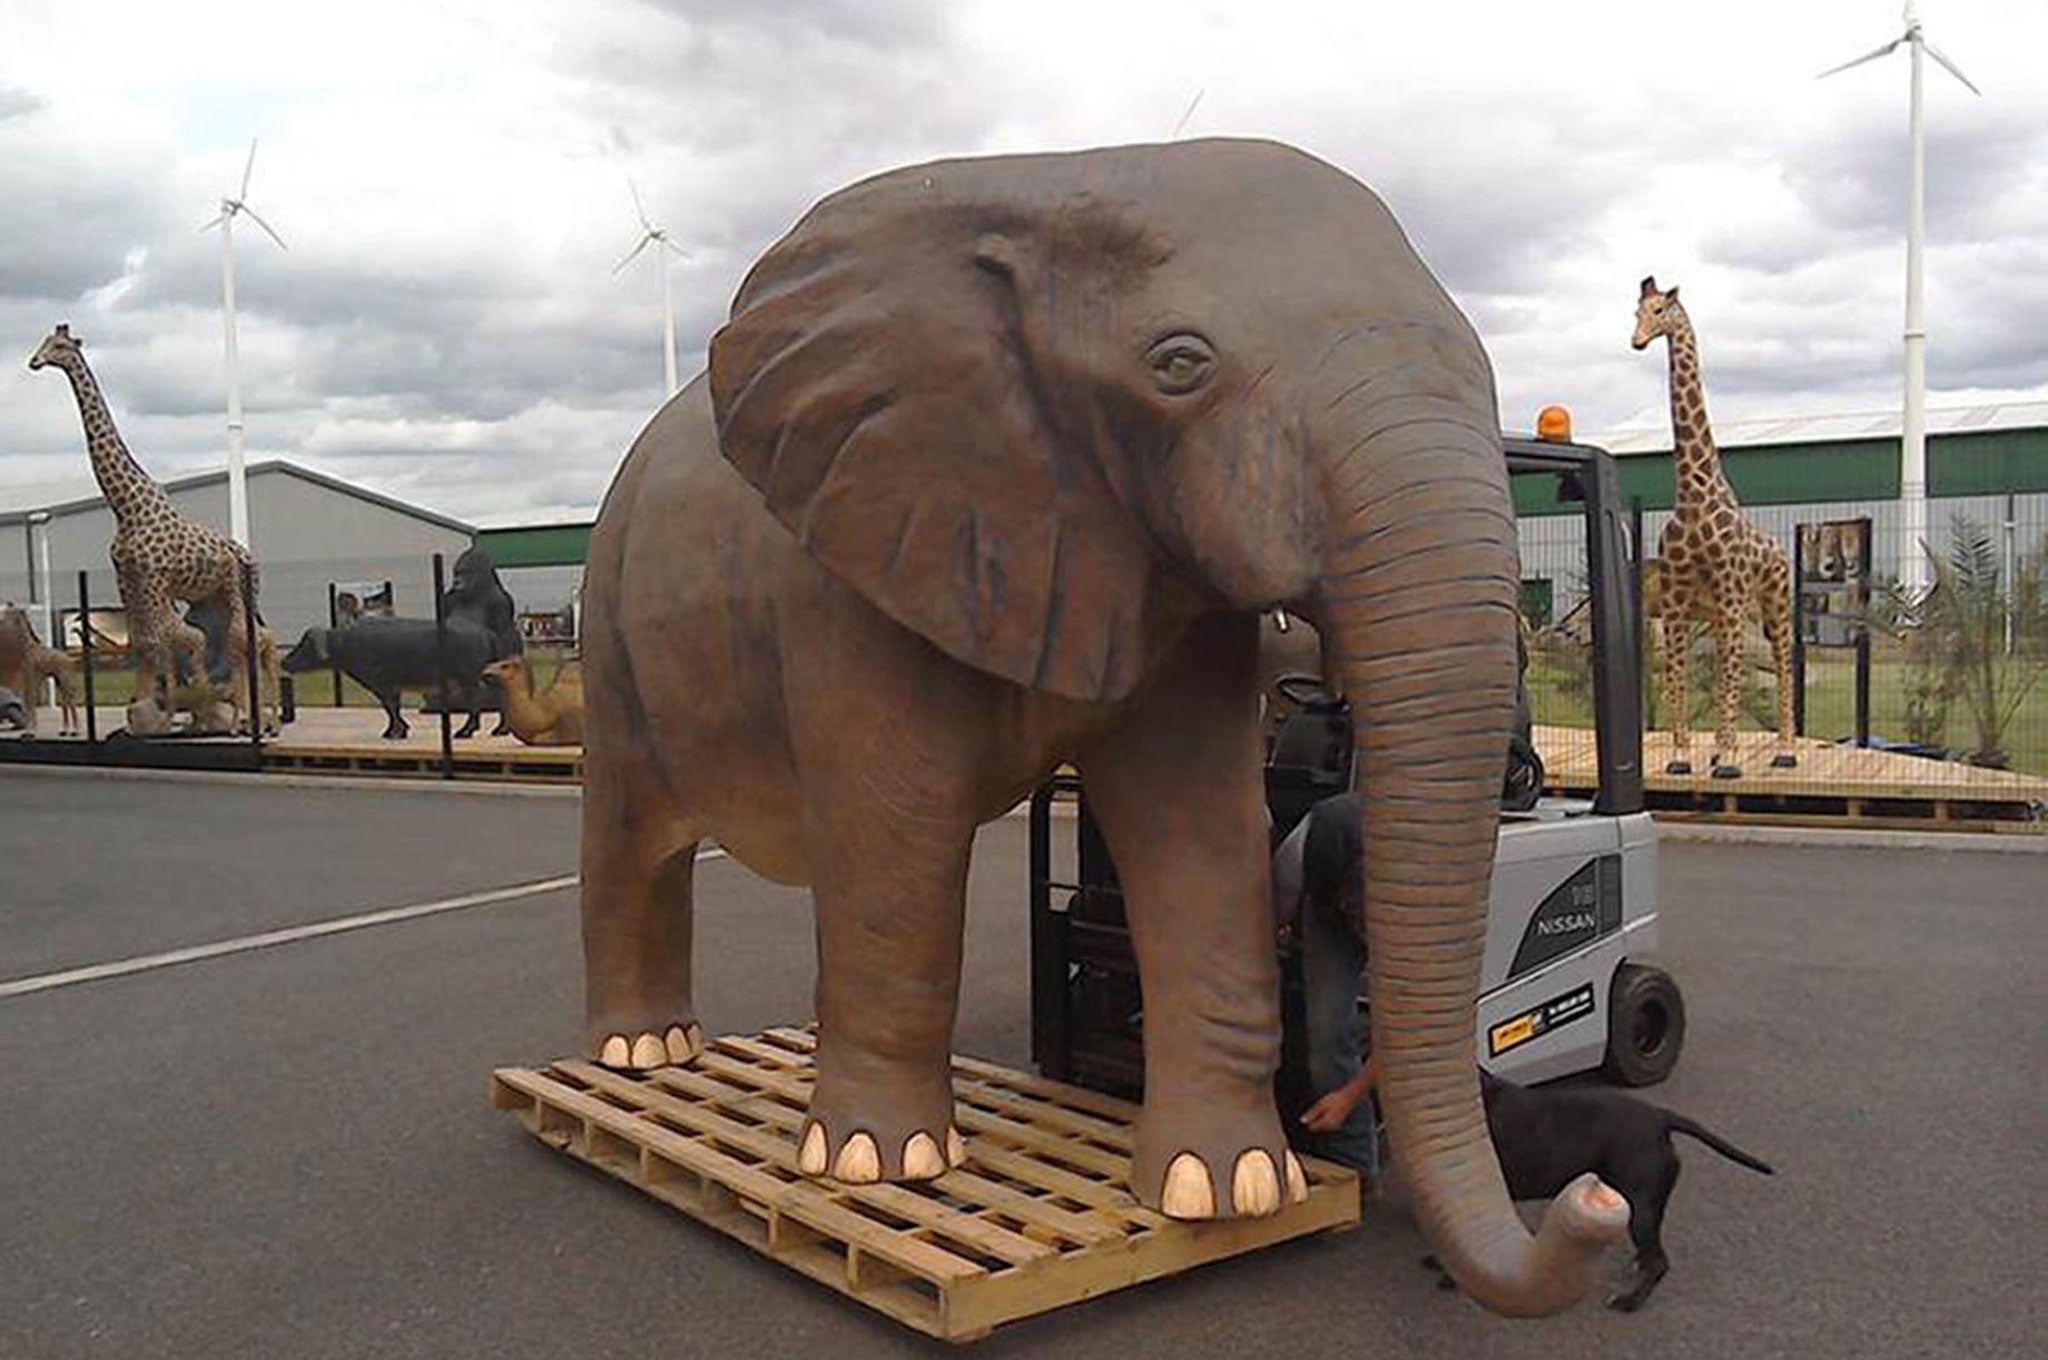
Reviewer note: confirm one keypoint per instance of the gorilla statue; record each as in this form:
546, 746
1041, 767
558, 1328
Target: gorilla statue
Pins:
477, 595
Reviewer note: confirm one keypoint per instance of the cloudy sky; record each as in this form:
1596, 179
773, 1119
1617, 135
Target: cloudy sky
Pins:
451, 178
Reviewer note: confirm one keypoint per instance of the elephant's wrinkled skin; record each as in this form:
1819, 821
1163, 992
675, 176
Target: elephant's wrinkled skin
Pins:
994, 466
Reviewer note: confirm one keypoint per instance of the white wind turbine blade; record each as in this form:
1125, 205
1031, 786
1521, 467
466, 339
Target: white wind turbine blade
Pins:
1884, 51
1931, 50
248, 169
668, 243
634, 253
637, 209
1189, 112
266, 227
216, 220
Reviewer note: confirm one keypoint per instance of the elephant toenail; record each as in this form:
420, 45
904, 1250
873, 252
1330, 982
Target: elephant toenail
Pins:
921, 1160
615, 1052
810, 1158
683, 1045
1297, 1180
860, 1163
956, 1147
1188, 1193
1254, 1184
648, 1052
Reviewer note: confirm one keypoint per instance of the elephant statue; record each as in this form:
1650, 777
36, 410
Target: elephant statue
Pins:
996, 465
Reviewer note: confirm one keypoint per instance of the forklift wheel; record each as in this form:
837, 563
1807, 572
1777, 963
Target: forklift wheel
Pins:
1645, 1025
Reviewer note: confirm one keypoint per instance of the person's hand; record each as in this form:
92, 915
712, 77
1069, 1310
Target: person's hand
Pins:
1328, 1114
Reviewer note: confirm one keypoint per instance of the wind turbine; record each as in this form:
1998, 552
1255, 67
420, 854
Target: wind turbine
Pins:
230, 208
1913, 437
652, 235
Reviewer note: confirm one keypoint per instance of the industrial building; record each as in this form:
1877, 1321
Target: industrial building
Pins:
308, 531
1985, 464
312, 531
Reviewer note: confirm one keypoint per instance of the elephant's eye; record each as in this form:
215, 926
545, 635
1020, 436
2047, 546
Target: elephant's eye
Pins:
1181, 363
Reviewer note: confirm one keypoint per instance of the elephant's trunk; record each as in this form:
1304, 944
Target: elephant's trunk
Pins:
1419, 599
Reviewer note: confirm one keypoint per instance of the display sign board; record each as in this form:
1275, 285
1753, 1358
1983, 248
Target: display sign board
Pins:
363, 599
552, 627
1834, 581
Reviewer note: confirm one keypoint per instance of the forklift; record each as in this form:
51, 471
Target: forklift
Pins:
1567, 985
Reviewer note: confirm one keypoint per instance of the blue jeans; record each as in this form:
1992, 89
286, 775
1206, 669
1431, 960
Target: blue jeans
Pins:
1332, 959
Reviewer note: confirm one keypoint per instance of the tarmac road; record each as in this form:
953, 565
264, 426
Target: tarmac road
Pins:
288, 1152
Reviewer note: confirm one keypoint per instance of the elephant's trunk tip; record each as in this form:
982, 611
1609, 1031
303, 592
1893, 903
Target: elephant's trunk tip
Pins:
1562, 1267
1593, 1209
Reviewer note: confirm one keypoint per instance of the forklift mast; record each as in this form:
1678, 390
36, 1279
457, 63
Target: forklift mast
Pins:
1586, 474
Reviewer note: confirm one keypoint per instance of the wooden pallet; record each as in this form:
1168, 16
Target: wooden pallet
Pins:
534, 764
1037, 1219
347, 741
1831, 785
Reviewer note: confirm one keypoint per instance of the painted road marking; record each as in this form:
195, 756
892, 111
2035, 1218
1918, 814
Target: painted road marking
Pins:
292, 934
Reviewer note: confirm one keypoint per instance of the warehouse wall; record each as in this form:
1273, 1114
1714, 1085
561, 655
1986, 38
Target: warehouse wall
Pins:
305, 535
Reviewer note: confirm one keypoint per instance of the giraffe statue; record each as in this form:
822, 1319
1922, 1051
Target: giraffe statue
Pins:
160, 554
1714, 565
26, 665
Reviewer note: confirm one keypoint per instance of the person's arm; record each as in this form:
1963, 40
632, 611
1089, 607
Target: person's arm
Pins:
1286, 878
1329, 1113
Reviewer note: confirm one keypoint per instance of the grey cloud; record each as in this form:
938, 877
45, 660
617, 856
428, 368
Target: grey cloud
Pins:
872, 23
1988, 317
68, 225
1499, 196
17, 103
1854, 181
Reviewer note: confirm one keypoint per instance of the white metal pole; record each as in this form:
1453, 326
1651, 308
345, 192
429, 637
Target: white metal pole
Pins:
2008, 579
46, 595
668, 323
238, 491
1913, 435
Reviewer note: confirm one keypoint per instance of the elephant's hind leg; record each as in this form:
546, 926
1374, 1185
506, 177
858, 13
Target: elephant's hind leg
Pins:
638, 873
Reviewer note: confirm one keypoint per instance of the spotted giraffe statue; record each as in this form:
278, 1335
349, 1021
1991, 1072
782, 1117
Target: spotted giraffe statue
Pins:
1714, 565
160, 554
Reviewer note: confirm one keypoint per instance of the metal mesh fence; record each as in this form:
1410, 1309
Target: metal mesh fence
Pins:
1957, 668
291, 598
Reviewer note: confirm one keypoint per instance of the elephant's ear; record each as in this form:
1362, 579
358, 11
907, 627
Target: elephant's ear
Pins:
874, 383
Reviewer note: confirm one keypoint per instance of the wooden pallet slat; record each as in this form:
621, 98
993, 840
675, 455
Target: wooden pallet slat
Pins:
1036, 1219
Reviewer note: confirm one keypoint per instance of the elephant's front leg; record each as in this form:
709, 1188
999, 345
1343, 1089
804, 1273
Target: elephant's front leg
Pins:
1179, 794
889, 739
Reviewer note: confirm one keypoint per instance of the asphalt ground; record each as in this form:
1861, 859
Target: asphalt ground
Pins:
288, 1152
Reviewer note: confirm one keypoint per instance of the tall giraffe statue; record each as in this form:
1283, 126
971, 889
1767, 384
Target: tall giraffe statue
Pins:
1713, 563
161, 555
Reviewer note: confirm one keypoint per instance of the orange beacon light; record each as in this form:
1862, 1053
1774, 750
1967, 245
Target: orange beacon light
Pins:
1554, 423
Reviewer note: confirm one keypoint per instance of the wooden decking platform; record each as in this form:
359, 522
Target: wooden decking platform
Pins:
1037, 1218
350, 741
1831, 784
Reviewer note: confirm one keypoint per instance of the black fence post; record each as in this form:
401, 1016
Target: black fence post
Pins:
1638, 553
334, 621
1798, 631
249, 667
441, 670
92, 723
1862, 626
